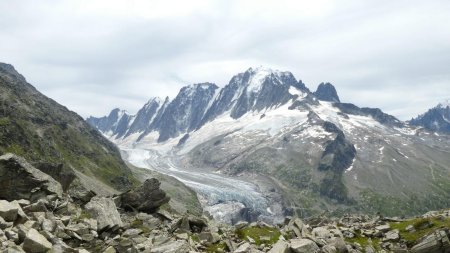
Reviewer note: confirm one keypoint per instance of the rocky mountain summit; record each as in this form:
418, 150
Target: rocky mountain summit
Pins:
41, 217
435, 119
195, 105
327, 92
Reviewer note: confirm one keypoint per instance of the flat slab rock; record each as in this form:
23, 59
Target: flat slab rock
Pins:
172, 247
304, 246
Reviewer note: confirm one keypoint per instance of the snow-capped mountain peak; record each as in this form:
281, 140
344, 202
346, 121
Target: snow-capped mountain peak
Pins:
255, 91
444, 104
259, 75
154, 100
189, 90
435, 119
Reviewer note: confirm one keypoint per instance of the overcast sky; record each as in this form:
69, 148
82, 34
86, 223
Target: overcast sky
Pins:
92, 56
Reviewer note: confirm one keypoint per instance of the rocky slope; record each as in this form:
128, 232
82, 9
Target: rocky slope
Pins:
47, 133
307, 151
436, 119
44, 219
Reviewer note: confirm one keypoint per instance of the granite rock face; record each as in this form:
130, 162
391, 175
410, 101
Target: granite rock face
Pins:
189, 105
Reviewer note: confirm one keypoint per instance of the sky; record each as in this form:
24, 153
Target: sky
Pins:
93, 56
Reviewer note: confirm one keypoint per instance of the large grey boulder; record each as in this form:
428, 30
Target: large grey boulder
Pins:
438, 242
10, 211
304, 246
321, 232
280, 247
20, 180
147, 198
104, 210
35, 242
392, 235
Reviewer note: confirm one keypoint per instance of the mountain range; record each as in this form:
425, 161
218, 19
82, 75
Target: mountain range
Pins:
306, 151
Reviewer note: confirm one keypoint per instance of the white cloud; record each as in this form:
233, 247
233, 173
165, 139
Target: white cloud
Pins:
95, 55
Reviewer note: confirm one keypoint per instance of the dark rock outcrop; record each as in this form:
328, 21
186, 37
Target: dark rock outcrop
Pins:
338, 156
146, 198
327, 92
375, 113
20, 180
58, 172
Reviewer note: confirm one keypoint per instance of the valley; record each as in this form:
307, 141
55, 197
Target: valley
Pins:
226, 199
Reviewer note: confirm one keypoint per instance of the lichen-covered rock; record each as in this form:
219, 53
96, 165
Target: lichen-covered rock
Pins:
20, 180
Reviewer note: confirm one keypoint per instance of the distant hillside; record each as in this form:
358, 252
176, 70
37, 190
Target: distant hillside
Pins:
39, 129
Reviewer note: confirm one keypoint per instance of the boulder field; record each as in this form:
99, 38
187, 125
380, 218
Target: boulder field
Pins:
36, 215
